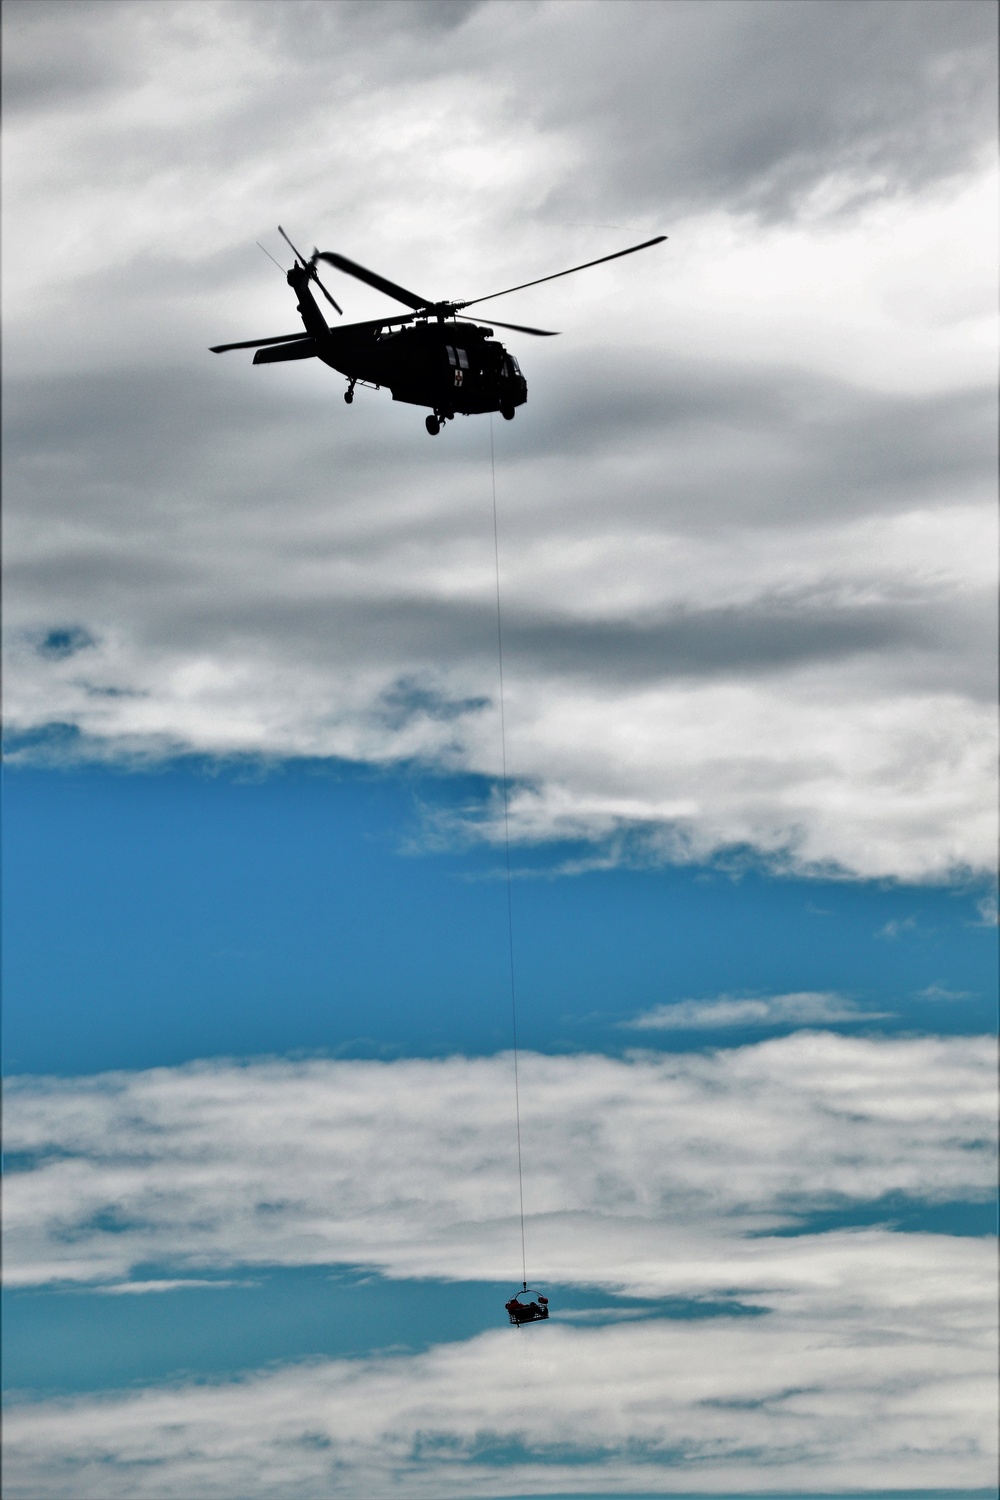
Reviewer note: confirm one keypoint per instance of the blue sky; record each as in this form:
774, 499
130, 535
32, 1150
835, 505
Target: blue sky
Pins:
247, 910
262, 1207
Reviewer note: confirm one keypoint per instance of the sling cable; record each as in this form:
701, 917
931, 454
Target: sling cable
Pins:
517, 1310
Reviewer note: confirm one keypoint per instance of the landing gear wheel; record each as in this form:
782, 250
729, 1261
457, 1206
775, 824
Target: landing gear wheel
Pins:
348, 397
507, 412
433, 425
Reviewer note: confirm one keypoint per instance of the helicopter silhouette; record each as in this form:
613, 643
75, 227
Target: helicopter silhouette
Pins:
431, 356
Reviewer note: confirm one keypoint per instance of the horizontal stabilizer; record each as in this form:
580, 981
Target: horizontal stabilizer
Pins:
304, 349
282, 338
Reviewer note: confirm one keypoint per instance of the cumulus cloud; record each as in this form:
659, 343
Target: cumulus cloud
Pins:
806, 1008
746, 518
634, 1168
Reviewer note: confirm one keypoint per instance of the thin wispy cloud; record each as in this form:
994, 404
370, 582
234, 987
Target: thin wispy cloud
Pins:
898, 925
175, 1284
987, 909
941, 992
807, 1008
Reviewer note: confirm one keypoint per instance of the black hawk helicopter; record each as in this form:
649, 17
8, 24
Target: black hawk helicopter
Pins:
431, 356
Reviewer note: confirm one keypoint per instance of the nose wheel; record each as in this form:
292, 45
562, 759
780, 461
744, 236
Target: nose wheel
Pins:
349, 393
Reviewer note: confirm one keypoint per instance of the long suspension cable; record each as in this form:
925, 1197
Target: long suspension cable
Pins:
506, 844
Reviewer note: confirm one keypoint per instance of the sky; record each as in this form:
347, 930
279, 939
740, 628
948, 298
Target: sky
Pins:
262, 1201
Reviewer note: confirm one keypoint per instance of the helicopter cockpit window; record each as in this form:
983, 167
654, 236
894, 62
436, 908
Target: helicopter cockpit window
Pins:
452, 359
463, 359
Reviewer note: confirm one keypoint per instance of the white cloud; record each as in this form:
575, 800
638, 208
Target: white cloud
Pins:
640, 1174
143, 1288
662, 1176
987, 909
803, 1009
836, 1396
892, 929
940, 992
748, 528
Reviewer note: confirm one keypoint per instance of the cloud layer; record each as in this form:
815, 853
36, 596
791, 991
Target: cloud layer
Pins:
870, 1364
747, 530
410, 1166
797, 1403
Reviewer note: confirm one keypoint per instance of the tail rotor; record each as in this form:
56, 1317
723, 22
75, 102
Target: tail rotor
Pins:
310, 267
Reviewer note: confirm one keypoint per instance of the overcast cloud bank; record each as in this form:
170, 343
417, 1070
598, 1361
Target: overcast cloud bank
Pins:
747, 520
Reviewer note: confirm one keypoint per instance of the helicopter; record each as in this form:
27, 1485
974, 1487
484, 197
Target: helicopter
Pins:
431, 356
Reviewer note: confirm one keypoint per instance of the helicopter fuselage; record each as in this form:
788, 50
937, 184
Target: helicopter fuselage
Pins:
448, 365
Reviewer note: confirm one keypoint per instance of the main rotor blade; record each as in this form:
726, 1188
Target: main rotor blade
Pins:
282, 338
298, 253
371, 278
555, 277
542, 333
